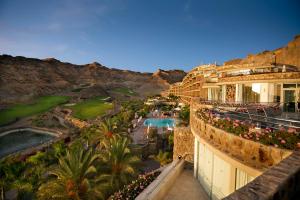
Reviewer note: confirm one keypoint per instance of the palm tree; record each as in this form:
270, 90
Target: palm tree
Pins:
75, 177
107, 127
120, 162
162, 158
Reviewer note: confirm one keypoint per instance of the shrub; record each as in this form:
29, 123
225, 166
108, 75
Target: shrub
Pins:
132, 190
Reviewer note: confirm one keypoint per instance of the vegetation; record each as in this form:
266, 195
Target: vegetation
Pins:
120, 164
75, 177
132, 190
90, 109
163, 158
25, 174
96, 164
77, 89
125, 91
173, 97
184, 115
42, 104
284, 138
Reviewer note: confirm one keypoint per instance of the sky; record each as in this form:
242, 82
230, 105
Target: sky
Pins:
144, 35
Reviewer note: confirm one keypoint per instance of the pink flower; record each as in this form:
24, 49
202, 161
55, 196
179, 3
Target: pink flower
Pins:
281, 128
291, 130
282, 141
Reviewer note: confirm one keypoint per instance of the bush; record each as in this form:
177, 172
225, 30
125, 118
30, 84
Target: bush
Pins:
132, 190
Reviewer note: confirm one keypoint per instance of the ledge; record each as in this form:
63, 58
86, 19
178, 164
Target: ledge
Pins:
279, 182
266, 77
161, 185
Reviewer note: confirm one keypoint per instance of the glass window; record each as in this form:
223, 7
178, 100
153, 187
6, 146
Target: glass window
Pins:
251, 92
289, 85
277, 92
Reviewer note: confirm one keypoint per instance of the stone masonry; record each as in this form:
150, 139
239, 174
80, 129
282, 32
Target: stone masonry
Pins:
183, 143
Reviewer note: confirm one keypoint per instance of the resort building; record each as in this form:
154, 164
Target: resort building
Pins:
236, 111
242, 83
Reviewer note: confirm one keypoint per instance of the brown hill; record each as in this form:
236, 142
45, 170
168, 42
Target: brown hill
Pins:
171, 76
22, 79
290, 54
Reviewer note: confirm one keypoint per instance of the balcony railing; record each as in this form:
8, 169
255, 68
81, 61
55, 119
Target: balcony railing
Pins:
267, 114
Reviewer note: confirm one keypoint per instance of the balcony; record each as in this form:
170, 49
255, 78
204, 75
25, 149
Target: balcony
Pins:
238, 135
265, 77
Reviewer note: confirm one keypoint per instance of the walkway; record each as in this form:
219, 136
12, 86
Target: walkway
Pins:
186, 187
138, 134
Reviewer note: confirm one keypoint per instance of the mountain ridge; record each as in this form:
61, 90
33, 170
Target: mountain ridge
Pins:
23, 79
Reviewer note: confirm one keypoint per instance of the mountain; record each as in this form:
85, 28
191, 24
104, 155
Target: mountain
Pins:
170, 76
23, 79
289, 54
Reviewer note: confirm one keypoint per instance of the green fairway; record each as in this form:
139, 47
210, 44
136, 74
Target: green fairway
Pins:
125, 91
91, 108
42, 104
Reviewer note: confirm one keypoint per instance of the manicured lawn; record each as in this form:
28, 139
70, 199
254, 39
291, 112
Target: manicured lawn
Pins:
91, 108
42, 104
125, 91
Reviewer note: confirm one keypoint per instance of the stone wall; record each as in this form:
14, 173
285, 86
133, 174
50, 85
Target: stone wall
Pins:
251, 153
183, 143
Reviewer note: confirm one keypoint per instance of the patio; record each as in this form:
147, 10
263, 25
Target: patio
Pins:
186, 187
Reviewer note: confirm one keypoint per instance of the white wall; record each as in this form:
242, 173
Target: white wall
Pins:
218, 177
264, 92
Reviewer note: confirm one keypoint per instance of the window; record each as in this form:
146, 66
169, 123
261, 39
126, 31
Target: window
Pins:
251, 92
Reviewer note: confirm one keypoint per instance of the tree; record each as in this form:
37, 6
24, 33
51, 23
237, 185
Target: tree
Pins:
162, 158
184, 114
107, 127
75, 177
120, 163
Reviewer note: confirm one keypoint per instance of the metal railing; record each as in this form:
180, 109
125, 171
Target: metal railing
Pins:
267, 114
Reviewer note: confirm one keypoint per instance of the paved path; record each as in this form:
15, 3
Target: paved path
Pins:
138, 134
186, 187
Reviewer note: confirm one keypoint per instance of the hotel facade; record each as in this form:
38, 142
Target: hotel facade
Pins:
224, 162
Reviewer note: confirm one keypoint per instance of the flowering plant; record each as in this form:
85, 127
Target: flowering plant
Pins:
284, 138
131, 191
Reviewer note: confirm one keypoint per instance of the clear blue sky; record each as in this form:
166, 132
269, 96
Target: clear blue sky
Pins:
144, 35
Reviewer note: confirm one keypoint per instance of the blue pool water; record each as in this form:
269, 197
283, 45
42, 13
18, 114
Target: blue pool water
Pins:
154, 122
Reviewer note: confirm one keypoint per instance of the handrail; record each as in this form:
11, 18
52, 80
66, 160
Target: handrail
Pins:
263, 118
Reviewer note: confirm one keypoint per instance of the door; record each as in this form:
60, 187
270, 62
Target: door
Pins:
289, 100
221, 179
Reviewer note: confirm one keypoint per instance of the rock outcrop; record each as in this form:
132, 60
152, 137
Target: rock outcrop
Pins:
290, 55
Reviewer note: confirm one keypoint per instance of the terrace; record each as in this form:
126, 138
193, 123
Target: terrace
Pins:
252, 138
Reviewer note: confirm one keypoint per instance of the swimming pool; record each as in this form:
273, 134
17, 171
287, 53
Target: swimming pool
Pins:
21, 139
155, 122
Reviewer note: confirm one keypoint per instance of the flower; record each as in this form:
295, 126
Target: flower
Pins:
282, 141
291, 130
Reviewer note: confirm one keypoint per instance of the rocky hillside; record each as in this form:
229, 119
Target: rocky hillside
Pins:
22, 79
290, 54
171, 76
